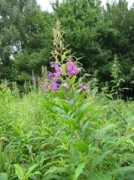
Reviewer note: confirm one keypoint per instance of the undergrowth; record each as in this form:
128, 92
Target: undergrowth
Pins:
55, 136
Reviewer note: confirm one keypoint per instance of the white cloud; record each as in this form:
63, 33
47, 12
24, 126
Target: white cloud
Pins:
45, 4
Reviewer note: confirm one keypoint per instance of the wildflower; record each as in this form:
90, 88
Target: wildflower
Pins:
54, 64
54, 86
58, 69
50, 75
84, 87
53, 76
71, 68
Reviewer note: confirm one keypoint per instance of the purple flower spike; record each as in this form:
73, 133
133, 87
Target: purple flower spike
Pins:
51, 75
55, 78
54, 64
84, 88
58, 70
54, 86
71, 68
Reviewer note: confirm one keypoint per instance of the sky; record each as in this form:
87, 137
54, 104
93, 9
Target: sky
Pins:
45, 4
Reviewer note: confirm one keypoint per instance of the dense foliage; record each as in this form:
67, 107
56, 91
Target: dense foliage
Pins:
25, 39
98, 35
94, 33
60, 126
63, 128
61, 135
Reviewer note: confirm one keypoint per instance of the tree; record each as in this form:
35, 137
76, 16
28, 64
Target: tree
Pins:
25, 38
122, 20
84, 27
98, 34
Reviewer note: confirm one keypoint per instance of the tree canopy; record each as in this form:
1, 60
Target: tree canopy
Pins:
94, 33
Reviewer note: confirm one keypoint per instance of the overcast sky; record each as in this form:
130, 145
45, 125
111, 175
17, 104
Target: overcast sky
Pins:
45, 4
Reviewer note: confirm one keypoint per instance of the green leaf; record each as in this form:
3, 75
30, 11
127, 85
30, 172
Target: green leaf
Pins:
79, 170
52, 170
102, 157
101, 132
123, 170
63, 57
19, 171
84, 109
82, 146
100, 176
63, 68
3, 176
72, 80
30, 170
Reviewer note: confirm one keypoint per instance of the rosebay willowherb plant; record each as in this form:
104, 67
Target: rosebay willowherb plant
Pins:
64, 70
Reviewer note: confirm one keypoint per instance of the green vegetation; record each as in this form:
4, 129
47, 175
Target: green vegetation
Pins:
95, 34
63, 128
61, 136
68, 121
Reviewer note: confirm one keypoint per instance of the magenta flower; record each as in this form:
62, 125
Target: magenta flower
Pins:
58, 69
54, 64
71, 68
54, 86
84, 87
51, 75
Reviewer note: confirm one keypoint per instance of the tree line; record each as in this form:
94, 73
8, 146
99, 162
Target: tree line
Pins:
102, 37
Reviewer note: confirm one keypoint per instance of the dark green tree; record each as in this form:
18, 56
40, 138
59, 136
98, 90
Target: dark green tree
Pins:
25, 38
121, 18
83, 22
98, 34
